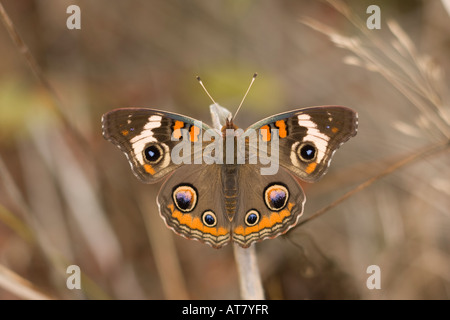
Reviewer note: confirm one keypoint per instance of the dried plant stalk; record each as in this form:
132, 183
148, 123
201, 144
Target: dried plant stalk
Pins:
165, 254
19, 286
402, 66
427, 152
398, 61
249, 275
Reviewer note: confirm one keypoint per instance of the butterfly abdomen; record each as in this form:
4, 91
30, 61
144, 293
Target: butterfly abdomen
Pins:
230, 189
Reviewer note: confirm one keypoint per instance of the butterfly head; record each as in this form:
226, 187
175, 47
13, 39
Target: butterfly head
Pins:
228, 125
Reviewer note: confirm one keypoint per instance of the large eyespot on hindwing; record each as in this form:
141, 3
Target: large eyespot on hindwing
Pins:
185, 197
209, 218
252, 218
307, 151
276, 196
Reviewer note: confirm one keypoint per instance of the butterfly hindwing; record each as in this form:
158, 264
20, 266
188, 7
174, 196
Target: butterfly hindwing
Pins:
268, 205
194, 202
191, 204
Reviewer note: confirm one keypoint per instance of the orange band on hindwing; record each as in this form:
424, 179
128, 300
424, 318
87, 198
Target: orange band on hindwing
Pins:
195, 223
266, 222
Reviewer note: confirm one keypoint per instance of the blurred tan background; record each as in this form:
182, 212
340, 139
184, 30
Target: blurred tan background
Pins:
67, 196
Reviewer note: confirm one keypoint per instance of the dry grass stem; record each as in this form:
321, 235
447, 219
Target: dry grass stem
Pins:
427, 152
19, 286
166, 256
414, 75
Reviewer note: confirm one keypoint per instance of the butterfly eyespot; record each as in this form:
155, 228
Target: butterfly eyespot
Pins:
209, 218
307, 152
185, 197
252, 218
276, 197
153, 153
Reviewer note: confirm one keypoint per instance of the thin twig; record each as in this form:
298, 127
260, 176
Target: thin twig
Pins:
443, 146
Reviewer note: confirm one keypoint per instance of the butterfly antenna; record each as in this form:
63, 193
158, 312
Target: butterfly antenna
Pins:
201, 83
245, 95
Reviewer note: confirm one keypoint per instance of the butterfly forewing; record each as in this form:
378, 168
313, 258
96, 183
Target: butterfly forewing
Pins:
146, 138
309, 137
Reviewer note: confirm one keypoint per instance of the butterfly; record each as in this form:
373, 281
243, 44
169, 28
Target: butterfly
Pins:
224, 201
